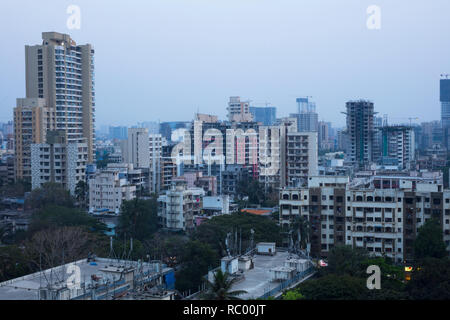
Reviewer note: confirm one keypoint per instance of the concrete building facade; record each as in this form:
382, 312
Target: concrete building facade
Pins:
62, 73
383, 221
108, 189
58, 161
30, 126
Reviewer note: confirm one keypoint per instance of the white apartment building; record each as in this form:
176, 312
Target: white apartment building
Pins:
155, 149
176, 209
398, 144
299, 157
58, 162
108, 189
383, 221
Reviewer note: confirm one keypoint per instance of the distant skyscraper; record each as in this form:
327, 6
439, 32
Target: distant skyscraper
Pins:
360, 131
398, 144
119, 133
307, 118
445, 110
62, 73
324, 129
152, 126
136, 148
266, 115
155, 149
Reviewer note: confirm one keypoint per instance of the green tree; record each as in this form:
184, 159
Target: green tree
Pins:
13, 263
214, 231
345, 260
49, 194
334, 287
430, 281
166, 247
251, 188
301, 227
293, 295
102, 159
138, 219
219, 288
198, 258
81, 191
57, 216
430, 241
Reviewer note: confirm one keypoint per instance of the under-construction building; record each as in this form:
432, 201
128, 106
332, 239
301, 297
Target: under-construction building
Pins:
360, 131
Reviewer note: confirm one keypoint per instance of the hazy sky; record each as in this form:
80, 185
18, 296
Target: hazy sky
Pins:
166, 59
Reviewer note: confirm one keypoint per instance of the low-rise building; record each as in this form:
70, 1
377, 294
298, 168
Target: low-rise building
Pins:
385, 221
177, 208
58, 161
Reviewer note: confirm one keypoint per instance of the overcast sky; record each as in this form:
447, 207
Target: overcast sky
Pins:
165, 59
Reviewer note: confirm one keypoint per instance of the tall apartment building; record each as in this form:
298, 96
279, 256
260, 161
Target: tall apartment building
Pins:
58, 161
176, 209
299, 158
265, 115
430, 134
155, 150
7, 171
62, 73
30, 126
239, 110
445, 110
360, 131
108, 189
136, 149
307, 117
384, 221
325, 142
398, 144
168, 167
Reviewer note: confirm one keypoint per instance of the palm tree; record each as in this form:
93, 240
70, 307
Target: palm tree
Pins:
220, 288
81, 190
302, 227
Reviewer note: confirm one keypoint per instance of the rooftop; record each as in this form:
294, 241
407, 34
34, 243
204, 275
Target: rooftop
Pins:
92, 274
258, 280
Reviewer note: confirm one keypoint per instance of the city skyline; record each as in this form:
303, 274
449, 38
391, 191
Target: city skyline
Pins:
203, 53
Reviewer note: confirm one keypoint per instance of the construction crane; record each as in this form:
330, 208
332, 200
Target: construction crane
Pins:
259, 103
385, 119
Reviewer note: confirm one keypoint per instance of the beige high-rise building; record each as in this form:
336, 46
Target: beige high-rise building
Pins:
136, 149
30, 126
62, 73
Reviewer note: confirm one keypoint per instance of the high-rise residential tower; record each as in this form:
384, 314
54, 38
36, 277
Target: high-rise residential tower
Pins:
62, 73
266, 115
307, 117
398, 145
445, 109
360, 131
136, 149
